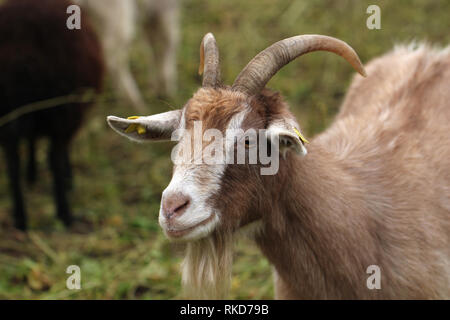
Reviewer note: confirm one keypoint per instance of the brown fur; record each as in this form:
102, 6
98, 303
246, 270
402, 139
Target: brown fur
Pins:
213, 107
374, 188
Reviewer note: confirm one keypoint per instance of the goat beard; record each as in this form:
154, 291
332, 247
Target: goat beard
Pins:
206, 269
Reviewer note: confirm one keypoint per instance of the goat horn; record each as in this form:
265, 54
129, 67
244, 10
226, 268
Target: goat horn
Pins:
209, 61
266, 64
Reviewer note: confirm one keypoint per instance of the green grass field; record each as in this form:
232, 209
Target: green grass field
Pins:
118, 184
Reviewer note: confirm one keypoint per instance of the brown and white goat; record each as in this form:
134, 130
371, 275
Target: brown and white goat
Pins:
374, 188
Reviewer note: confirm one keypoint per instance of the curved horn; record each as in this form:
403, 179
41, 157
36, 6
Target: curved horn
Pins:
209, 61
266, 64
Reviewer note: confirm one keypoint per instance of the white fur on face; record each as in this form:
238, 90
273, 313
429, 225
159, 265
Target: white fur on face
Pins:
185, 181
199, 183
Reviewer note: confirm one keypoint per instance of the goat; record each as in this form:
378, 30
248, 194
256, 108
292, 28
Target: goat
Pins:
373, 189
42, 59
115, 21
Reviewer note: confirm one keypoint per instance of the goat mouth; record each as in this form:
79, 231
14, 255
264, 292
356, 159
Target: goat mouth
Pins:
178, 233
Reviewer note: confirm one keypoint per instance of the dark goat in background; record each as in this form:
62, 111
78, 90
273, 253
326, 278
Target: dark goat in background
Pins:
42, 59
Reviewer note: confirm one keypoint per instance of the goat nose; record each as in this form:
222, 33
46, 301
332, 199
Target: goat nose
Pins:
175, 205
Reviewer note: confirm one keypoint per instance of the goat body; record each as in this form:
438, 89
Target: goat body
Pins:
372, 190
42, 59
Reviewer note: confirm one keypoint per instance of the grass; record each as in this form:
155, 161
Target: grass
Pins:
119, 184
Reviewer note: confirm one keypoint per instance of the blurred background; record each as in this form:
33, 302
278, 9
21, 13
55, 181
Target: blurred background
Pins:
123, 253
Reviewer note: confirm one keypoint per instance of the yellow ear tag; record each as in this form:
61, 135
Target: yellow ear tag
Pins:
135, 127
141, 129
300, 136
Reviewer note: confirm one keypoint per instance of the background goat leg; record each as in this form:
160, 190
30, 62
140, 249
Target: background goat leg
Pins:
31, 165
13, 162
161, 29
58, 155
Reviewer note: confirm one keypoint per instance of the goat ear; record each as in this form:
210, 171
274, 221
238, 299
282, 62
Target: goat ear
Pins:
150, 128
288, 136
